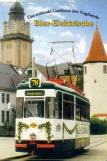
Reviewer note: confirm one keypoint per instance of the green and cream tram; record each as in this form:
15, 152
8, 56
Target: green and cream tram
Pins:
50, 118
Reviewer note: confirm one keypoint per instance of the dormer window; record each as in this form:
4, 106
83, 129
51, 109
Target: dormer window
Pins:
29, 73
66, 72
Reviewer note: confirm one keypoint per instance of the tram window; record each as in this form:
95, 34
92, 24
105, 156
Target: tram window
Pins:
34, 109
83, 114
19, 107
50, 107
82, 110
77, 113
88, 113
58, 105
68, 106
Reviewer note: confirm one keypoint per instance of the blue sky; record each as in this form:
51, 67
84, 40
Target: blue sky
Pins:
43, 35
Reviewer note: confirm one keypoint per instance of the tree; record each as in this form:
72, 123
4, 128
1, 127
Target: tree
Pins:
98, 126
80, 79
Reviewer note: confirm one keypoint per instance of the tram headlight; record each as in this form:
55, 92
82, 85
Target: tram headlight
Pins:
32, 135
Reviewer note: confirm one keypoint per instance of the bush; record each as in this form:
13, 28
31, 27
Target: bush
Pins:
8, 128
98, 126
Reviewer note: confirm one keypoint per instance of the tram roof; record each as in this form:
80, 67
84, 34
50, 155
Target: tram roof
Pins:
51, 85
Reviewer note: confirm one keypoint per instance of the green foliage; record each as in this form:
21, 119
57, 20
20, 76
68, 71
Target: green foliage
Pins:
98, 126
8, 126
80, 82
21, 126
47, 127
80, 79
13, 114
8, 129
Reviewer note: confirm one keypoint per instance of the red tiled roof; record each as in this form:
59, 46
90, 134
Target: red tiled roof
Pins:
101, 115
97, 52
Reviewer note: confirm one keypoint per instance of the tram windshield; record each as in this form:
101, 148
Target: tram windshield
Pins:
34, 108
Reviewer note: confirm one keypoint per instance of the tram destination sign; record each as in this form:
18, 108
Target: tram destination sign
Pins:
35, 93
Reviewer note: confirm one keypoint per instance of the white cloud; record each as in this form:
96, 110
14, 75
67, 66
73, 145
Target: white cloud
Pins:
66, 33
52, 31
41, 56
48, 19
81, 45
56, 14
105, 46
71, 48
36, 9
72, 3
38, 37
30, 20
78, 35
73, 6
43, 44
65, 7
40, 53
31, 3
78, 59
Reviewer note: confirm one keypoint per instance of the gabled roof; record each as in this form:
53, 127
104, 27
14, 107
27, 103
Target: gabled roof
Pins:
97, 52
9, 77
60, 67
42, 69
7, 69
6, 82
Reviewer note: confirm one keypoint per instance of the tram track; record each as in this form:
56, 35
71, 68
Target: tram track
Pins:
91, 144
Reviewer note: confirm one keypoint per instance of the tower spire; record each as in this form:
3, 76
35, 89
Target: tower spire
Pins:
97, 52
96, 25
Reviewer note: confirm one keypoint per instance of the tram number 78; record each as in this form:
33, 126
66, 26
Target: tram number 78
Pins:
34, 82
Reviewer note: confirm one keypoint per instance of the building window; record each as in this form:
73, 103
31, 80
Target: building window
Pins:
2, 116
7, 98
3, 98
29, 73
66, 72
105, 69
7, 116
85, 70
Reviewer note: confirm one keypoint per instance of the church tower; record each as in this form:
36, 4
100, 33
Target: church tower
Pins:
95, 76
16, 44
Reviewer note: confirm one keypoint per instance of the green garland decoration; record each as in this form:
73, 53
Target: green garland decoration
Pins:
21, 126
47, 127
68, 130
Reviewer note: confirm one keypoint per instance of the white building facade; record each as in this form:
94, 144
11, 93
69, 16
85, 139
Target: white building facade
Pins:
5, 114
